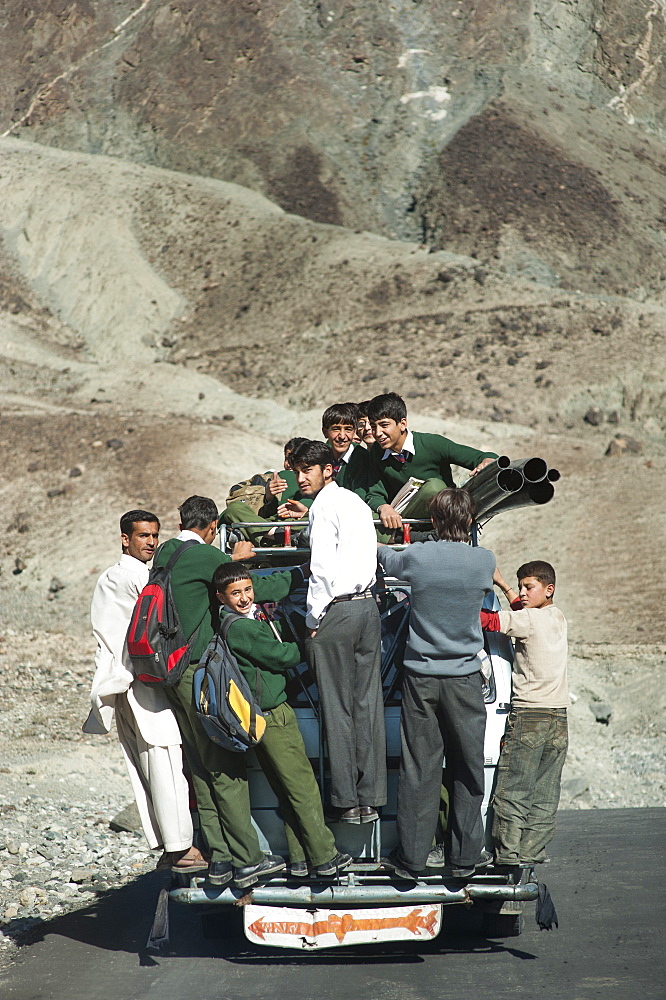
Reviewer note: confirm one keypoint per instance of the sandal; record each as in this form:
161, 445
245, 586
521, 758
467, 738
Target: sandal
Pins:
191, 860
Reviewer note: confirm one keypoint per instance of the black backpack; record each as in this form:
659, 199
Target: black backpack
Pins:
228, 709
156, 644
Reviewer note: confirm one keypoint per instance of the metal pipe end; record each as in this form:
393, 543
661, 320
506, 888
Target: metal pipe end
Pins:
535, 469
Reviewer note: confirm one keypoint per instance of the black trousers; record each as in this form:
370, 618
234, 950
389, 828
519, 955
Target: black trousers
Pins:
441, 714
345, 655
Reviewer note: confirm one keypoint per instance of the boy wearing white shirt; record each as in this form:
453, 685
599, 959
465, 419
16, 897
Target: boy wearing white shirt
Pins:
344, 641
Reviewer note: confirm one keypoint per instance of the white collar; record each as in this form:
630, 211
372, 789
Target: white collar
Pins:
187, 536
132, 561
407, 446
348, 454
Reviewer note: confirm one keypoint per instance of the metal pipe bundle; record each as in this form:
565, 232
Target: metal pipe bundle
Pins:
506, 485
532, 494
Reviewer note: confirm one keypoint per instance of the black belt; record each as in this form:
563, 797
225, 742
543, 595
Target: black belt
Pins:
352, 597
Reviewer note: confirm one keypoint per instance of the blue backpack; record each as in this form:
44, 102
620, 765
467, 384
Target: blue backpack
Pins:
229, 711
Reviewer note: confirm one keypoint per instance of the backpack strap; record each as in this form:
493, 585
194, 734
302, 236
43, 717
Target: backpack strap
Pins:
225, 624
177, 553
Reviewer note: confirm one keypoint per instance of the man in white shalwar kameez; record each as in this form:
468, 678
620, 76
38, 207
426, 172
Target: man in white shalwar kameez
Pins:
146, 726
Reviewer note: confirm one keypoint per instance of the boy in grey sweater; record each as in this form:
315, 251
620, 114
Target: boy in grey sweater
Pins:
442, 700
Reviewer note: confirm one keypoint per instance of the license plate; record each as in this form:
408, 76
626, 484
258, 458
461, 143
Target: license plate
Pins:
283, 927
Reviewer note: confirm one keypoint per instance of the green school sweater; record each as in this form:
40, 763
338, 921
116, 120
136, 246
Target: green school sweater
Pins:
194, 596
433, 458
253, 643
353, 475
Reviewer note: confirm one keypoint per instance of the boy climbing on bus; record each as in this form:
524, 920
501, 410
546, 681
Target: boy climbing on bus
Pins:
256, 641
536, 738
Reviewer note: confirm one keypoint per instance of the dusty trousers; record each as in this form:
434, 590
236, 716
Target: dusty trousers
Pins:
528, 784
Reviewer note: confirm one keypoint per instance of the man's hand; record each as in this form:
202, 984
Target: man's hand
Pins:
482, 465
242, 551
389, 516
276, 485
292, 509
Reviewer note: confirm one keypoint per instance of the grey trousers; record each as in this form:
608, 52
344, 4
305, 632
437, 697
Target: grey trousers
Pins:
441, 714
345, 656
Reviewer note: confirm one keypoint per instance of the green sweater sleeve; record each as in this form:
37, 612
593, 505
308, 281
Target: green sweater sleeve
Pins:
377, 493
276, 585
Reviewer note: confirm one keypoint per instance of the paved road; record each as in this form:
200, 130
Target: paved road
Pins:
607, 881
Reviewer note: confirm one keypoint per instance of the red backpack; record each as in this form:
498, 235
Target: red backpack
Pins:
156, 644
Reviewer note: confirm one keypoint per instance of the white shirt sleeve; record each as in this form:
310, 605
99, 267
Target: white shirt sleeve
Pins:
112, 605
324, 532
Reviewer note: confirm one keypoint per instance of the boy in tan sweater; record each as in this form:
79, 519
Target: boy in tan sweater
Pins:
536, 738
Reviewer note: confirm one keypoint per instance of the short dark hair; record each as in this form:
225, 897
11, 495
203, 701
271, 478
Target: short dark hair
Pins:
197, 512
230, 572
363, 408
452, 512
387, 406
312, 453
340, 413
294, 443
540, 570
128, 520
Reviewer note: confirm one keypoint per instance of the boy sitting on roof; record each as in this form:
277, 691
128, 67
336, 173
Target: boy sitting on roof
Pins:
400, 454
247, 503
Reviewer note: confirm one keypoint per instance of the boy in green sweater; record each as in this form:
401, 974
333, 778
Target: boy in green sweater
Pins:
398, 454
257, 642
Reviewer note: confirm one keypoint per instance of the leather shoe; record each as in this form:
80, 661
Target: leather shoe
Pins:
352, 815
271, 864
368, 814
401, 868
220, 872
337, 863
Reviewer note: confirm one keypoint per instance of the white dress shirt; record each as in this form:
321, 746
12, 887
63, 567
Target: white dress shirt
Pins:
343, 548
113, 602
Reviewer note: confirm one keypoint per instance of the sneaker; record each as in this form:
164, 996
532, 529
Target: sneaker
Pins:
220, 872
401, 868
271, 864
299, 869
437, 857
337, 864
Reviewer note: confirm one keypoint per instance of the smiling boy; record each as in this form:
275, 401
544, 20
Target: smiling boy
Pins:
399, 454
257, 642
536, 738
